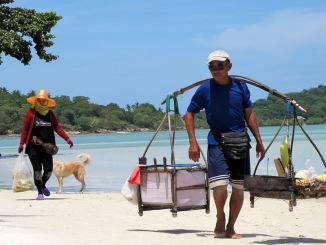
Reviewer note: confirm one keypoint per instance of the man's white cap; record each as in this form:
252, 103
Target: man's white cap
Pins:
219, 55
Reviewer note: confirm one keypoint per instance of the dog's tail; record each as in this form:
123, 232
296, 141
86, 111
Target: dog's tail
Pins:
86, 159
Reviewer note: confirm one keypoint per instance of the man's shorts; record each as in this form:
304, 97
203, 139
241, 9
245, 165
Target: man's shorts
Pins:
221, 171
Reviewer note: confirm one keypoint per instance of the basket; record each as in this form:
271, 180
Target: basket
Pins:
267, 183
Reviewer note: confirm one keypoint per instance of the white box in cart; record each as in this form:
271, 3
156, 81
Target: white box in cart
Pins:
156, 186
192, 197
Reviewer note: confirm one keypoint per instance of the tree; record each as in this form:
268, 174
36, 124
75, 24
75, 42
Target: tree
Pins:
20, 28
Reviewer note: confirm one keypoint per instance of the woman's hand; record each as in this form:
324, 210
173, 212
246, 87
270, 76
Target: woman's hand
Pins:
20, 148
69, 142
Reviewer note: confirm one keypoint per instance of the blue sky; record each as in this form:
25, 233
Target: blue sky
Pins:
139, 51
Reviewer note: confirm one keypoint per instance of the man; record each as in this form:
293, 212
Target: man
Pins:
227, 106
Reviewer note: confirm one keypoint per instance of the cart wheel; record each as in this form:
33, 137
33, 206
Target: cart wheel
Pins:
207, 211
252, 201
290, 205
140, 213
174, 214
294, 199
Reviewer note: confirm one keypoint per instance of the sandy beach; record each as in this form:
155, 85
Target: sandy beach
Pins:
107, 218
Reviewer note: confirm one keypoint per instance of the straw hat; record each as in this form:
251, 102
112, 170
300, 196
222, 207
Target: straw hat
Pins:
41, 94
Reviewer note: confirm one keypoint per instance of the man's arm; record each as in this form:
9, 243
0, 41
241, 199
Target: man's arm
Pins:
193, 152
253, 126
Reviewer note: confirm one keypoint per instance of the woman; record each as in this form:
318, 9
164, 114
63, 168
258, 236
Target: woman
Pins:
41, 122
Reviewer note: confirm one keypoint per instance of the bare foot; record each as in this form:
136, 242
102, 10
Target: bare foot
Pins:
230, 233
233, 235
220, 228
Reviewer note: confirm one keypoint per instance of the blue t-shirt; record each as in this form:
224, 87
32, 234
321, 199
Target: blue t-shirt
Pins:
224, 106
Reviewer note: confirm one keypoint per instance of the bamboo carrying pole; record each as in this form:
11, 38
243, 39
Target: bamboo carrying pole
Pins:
249, 81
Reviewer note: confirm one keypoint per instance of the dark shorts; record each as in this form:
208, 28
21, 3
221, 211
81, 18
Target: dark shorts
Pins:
221, 171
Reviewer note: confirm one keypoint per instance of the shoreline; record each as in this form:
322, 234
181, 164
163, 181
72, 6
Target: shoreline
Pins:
73, 133
106, 132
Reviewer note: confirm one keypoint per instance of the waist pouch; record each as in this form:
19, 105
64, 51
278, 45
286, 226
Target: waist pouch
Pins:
48, 147
235, 145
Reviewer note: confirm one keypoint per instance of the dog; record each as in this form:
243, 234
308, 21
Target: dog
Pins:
76, 168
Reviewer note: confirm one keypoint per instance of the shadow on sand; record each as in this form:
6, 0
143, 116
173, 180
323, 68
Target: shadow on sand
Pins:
281, 240
200, 233
8, 216
178, 232
20, 215
45, 199
293, 240
72, 193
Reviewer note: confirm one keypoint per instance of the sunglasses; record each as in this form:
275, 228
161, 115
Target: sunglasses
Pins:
218, 67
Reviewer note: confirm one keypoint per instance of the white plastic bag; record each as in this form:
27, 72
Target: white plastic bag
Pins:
129, 191
22, 175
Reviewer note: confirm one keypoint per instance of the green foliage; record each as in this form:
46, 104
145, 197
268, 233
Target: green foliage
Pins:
201, 120
12, 110
271, 110
21, 28
80, 114
145, 115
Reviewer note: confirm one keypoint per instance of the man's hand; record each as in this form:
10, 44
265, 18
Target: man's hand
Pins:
69, 142
260, 150
20, 148
194, 152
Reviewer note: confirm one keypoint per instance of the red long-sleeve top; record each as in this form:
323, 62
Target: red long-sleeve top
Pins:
29, 121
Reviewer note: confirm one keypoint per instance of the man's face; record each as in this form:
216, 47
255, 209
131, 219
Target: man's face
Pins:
219, 69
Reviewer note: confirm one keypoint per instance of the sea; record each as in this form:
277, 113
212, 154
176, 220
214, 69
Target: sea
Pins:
115, 155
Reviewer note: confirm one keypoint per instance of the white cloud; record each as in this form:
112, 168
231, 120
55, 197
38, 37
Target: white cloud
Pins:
283, 31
